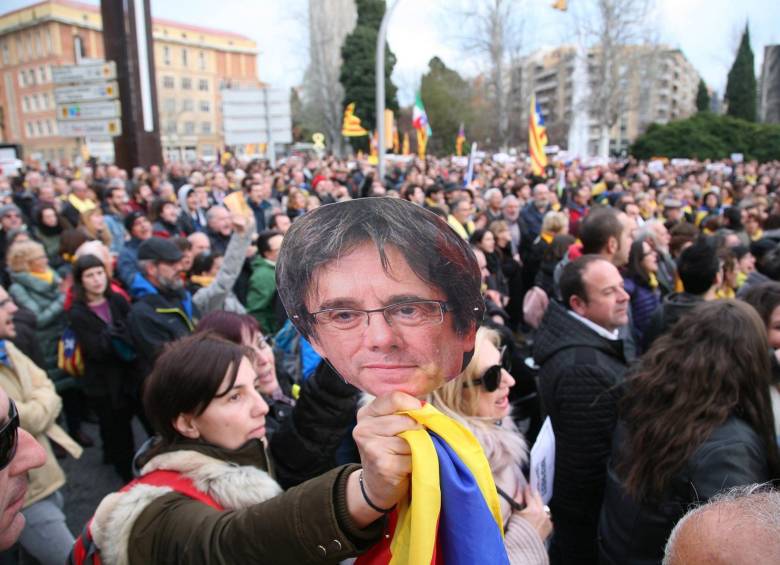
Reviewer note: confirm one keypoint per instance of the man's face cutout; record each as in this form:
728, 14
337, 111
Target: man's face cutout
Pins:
378, 357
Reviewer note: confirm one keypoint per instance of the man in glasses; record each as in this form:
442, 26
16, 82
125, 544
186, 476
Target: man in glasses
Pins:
19, 452
389, 296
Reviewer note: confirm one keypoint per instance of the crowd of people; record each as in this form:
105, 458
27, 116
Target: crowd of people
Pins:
226, 308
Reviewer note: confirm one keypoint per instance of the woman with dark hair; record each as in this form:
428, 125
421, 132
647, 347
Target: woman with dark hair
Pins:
765, 298
641, 284
486, 241
98, 317
206, 493
48, 229
244, 330
695, 419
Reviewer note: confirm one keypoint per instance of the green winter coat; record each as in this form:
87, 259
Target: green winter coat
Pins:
260, 299
47, 302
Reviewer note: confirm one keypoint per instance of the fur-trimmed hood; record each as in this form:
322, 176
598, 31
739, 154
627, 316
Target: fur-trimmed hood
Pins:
232, 486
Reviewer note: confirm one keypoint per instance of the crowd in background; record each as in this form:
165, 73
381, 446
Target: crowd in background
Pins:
637, 304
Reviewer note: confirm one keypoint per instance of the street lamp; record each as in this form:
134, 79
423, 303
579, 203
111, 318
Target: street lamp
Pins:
380, 89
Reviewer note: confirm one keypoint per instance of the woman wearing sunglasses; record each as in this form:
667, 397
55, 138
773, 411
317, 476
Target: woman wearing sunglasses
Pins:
479, 398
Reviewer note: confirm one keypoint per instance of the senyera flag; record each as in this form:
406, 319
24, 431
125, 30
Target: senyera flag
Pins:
537, 138
452, 515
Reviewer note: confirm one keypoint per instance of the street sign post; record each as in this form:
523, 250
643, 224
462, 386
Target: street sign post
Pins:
87, 100
254, 116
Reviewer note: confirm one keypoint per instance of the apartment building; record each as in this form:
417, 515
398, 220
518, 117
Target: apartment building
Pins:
192, 64
657, 85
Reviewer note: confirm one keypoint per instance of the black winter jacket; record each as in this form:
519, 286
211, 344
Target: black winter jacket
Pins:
305, 444
673, 307
635, 533
106, 374
579, 381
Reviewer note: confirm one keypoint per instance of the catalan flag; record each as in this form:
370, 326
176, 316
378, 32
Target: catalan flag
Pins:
452, 515
460, 140
537, 138
351, 126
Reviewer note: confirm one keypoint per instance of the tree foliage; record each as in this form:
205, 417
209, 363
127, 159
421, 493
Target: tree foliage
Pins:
741, 85
702, 97
709, 136
446, 98
358, 75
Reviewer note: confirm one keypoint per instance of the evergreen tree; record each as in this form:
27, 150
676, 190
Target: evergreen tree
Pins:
741, 86
359, 62
702, 98
446, 98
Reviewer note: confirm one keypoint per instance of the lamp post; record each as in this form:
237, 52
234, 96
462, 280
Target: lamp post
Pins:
380, 89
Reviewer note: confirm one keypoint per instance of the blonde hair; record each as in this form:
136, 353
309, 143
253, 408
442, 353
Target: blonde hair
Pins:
86, 222
554, 222
451, 398
20, 253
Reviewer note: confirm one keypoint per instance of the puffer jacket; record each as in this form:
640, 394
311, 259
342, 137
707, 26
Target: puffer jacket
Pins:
579, 379
38, 405
259, 523
635, 533
47, 302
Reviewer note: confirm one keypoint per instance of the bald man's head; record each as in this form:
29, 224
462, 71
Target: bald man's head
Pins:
740, 527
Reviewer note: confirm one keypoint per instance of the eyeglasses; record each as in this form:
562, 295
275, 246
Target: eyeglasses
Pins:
491, 378
404, 314
9, 436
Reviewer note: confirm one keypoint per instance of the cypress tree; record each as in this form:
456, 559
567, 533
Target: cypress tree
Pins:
741, 85
702, 98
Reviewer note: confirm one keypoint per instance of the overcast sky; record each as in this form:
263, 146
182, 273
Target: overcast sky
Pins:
707, 31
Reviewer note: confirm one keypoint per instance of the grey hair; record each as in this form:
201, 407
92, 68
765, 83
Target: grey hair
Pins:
759, 503
509, 199
213, 210
491, 191
432, 249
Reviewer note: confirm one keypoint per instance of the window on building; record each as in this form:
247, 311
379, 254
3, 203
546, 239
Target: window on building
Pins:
187, 105
30, 130
166, 55
205, 106
19, 49
4, 52
31, 77
42, 74
35, 104
170, 127
169, 105
28, 46
202, 60
45, 100
183, 57
39, 126
49, 129
22, 79
168, 82
25, 104
205, 127
47, 41
38, 44
203, 84
189, 128
186, 83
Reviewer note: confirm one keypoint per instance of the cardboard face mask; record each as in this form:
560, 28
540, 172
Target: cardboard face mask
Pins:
385, 291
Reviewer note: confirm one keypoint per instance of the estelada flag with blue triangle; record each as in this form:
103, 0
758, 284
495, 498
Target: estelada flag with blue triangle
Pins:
452, 514
537, 138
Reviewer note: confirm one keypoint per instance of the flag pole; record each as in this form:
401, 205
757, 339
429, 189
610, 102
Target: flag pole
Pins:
380, 90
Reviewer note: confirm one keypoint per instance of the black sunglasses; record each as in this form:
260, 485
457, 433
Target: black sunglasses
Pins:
9, 436
491, 378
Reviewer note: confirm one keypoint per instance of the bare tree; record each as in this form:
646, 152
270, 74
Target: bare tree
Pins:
622, 52
493, 29
329, 23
